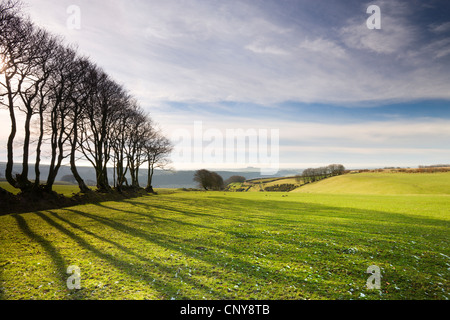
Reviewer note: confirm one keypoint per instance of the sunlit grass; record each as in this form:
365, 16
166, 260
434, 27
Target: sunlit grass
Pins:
216, 245
383, 183
65, 189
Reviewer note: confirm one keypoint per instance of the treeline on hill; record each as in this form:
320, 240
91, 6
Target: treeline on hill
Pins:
316, 174
209, 180
308, 176
422, 169
447, 166
285, 187
72, 109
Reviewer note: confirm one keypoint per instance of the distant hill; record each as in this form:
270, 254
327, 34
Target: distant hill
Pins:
266, 184
184, 179
382, 183
161, 179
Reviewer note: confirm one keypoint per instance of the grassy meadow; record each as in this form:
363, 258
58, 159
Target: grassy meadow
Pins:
67, 190
258, 185
232, 245
383, 183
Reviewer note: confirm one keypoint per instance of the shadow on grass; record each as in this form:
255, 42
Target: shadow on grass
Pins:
34, 201
292, 214
191, 249
156, 219
356, 234
377, 231
289, 208
57, 259
287, 217
162, 287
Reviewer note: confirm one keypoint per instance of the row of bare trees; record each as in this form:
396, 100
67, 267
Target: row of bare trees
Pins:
71, 109
317, 174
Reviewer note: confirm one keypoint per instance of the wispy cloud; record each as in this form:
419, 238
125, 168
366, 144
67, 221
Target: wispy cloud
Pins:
440, 28
236, 51
205, 54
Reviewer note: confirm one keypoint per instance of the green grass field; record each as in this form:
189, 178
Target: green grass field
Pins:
65, 189
383, 183
258, 185
216, 245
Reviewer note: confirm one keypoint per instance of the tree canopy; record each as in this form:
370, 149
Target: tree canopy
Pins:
81, 112
209, 180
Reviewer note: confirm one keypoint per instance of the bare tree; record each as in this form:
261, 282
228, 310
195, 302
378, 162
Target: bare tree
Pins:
203, 178
16, 51
209, 180
36, 98
119, 140
79, 97
157, 148
80, 111
60, 108
140, 127
99, 116
217, 181
316, 174
336, 169
234, 179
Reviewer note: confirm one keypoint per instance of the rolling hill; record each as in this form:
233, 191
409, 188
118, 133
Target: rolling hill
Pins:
382, 183
262, 184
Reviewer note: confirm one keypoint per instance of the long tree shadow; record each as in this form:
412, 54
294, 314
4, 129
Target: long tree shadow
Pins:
369, 221
362, 225
319, 209
130, 252
194, 250
190, 213
57, 259
163, 287
155, 219
210, 255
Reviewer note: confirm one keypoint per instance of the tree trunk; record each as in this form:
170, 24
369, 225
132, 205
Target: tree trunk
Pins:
73, 167
151, 170
10, 145
55, 169
37, 172
24, 183
137, 178
81, 184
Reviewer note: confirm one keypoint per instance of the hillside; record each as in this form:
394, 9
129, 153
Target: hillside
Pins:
265, 184
382, 183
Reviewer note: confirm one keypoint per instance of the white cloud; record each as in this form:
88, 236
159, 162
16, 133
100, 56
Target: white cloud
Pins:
392, 133
438, 48
366, 151
440, 28
398, 142
236, 51
207, 52
324, 46
266, 49
396, 33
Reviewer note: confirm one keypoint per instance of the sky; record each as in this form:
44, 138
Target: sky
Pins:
334, 90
